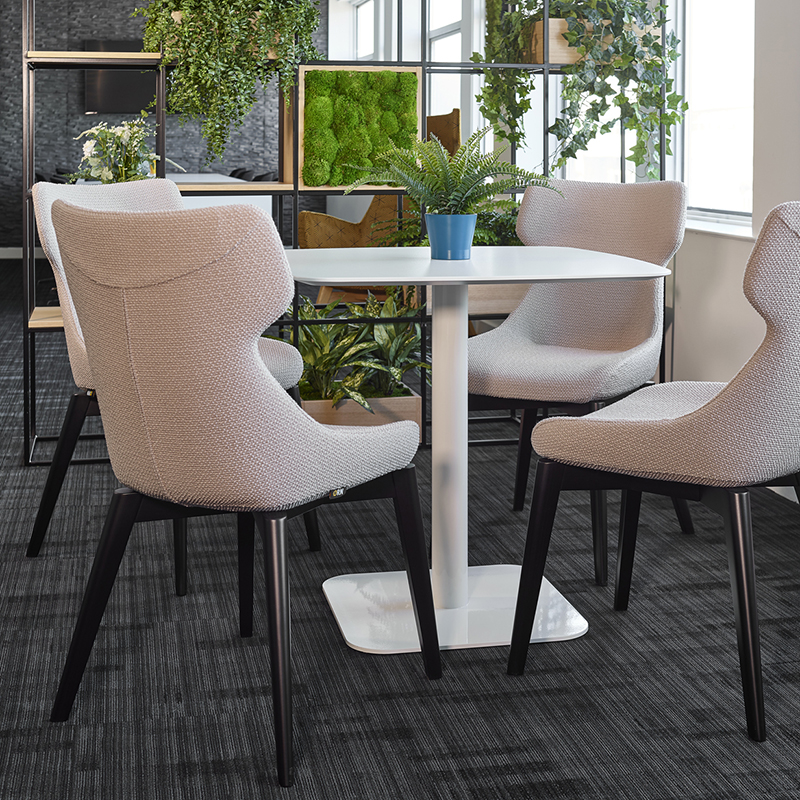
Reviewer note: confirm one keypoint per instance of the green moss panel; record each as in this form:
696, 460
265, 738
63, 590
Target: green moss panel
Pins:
352, 116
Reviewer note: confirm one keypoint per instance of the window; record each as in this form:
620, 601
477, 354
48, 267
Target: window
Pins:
719, 88
365, 30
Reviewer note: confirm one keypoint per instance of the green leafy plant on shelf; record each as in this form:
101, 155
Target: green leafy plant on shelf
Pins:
398, 343
622, 63
219, 52
357, 361
118, 154
448, 184
350, 117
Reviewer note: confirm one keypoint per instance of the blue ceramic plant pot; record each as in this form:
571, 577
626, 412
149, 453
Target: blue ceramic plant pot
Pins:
451, 235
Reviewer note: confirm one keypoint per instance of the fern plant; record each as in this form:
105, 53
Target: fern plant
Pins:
447, 184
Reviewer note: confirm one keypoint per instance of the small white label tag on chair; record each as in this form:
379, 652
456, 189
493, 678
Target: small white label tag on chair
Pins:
336, 493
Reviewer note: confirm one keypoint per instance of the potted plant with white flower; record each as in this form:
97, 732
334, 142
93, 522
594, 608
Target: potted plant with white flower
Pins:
118, 154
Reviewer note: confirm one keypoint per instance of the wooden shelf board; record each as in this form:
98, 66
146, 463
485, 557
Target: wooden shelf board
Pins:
254, 187
46, 318
365, 189
92, 58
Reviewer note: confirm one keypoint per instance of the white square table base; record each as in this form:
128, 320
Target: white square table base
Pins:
374, 613
475, 605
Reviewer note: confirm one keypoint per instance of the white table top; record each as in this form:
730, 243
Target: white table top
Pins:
413, 265
201, 177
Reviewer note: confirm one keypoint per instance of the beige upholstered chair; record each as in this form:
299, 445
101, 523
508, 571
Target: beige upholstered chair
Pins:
215, 432
702, 441
577, 346
281, 359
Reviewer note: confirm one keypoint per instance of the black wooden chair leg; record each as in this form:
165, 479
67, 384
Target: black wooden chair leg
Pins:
796, 485
546, 490
179, 540
246, 548
273, 534
412, 538
684, 515
116, 532
77, 411
311, 521
599, 505
524, 450
628, 526
739, 535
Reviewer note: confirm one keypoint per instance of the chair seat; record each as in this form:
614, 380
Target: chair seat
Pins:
283, 361
652, 433
502, 364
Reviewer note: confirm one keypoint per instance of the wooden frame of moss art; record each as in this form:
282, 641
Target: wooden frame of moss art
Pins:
346, 115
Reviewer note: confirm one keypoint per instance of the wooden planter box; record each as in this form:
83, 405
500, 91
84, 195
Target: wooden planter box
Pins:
560, 51
287, 161
348, 412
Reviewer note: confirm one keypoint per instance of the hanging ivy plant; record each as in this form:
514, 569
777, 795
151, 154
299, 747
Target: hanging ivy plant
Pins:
621, 63
221, 49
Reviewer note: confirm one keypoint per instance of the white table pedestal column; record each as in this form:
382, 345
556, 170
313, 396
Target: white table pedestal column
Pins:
449, 447
474, 605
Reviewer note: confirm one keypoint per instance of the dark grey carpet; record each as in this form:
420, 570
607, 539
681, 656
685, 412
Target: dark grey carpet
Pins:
174, 705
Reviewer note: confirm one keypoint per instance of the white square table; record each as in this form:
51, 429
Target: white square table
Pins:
474, 605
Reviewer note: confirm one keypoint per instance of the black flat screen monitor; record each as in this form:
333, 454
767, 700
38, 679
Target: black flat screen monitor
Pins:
118, 91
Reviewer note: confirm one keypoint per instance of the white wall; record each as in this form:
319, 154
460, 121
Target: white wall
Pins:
776, 165
716, 330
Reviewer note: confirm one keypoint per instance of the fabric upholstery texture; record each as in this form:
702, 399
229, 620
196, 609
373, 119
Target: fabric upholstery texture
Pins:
190, 411
735, 434
156, 194
591, 341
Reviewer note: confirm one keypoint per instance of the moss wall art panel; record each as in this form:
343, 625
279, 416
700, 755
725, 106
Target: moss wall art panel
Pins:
350, 115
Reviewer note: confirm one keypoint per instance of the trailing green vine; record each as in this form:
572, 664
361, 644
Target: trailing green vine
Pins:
219, 50
622, 63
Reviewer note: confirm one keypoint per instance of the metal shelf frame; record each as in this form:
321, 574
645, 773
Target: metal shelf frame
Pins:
41, 320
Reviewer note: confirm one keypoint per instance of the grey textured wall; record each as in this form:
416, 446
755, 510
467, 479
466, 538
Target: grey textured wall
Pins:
63, 25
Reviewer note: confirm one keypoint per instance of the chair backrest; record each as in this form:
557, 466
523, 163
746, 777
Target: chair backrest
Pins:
446, 128
172, 306
147, 195
750, 432
639, 220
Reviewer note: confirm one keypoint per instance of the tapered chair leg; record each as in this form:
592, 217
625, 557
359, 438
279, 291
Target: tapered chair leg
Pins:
599, 505
312, 530
412, 538
739, 537
116, 532
524, 451
310, 517
179, 539
684, 515
77, 411
273, 534
796, 485
628, 526
246, 535
546, 490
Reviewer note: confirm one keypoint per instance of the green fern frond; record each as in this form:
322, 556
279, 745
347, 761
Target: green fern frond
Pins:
446, 184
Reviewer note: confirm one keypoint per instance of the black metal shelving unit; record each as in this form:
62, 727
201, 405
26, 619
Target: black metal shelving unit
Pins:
38, 320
